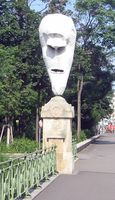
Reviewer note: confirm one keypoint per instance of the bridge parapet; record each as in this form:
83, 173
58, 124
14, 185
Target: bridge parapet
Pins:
19, 175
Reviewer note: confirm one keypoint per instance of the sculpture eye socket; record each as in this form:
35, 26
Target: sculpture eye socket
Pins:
57, 49
60, 49
51, 48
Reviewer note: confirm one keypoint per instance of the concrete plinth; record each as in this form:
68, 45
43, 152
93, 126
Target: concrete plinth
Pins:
57, 117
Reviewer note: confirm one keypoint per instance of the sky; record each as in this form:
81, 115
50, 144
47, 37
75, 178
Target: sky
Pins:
37, 5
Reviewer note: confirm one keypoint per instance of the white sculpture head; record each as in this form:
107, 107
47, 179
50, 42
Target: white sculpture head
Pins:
57, 36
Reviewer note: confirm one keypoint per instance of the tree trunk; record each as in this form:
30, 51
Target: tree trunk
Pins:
37, 121
79, 89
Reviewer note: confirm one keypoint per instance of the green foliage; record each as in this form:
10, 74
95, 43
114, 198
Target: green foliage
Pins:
88, 133
94, 15
23, 78
22, 145
9, 84
55, 6
95, 47
3, 158
84, 134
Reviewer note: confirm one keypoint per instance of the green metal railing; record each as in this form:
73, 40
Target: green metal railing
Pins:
19, 175
74, 148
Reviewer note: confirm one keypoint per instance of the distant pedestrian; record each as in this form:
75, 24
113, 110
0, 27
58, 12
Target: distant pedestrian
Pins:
110, 127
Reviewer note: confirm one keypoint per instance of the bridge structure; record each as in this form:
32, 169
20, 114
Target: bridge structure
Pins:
93, 177
19, 176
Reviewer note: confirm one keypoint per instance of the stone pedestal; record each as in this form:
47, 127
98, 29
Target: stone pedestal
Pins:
57, 117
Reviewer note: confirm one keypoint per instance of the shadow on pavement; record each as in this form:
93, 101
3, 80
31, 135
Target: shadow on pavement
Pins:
100, 142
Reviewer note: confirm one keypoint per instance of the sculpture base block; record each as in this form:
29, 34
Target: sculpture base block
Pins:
57, 117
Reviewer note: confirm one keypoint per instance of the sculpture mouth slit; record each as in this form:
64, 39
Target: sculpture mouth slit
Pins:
57, 70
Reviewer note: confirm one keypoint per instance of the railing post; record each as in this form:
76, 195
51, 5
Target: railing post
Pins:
11, 188
1, 185
18, 180
26, 176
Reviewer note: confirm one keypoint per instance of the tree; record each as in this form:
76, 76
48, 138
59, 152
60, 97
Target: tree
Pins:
54, 6
9, 84
96, 41
95, 23
97, 92
79, 76
22, 57
92, 17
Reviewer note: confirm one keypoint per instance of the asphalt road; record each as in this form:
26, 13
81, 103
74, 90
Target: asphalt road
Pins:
93, 177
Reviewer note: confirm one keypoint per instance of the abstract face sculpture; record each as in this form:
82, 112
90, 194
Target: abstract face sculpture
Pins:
57, 36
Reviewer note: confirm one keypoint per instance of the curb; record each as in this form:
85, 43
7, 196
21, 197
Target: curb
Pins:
38, 190
84, 144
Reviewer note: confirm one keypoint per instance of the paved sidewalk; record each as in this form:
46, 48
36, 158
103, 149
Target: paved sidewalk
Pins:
93, 177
